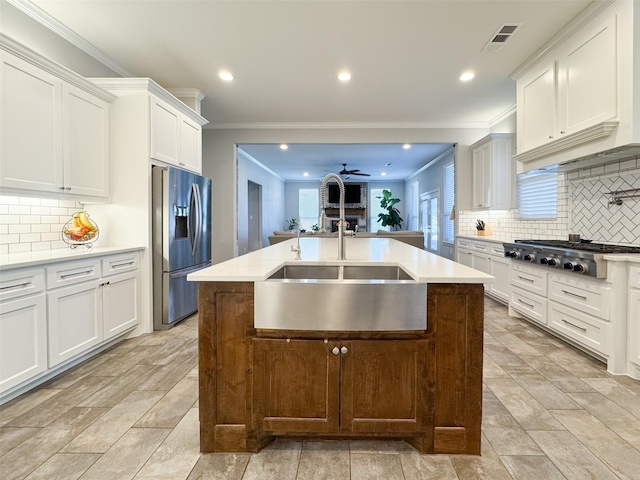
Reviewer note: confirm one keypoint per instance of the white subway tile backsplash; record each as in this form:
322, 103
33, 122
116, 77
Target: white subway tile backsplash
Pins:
7, 200
20, 228
40, 246
19, 210
9, 238
59, 211
29, 201
42, 227
612, 167
19, 247
50, 236
48, 202
41, 210
30, 219
4, 249
29, 237
49, 219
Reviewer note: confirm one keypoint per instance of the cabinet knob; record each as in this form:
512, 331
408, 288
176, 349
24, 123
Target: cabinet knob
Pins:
562, 133
61, 188
550, 137
344, 350
335, 350
68, 188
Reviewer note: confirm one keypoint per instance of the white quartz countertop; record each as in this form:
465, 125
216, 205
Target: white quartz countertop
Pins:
489, 238
423, 266
41, 257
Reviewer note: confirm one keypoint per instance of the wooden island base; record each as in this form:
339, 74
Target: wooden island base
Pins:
422, 386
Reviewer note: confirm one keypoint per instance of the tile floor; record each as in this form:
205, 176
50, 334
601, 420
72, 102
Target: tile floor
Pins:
550, 412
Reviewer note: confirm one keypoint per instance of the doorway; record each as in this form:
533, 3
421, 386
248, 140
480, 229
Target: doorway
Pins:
254, 220
429, 219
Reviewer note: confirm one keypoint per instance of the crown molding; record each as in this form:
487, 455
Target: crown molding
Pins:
67, 34
338, 125
444, 154
502, 116
265, 168
188, 92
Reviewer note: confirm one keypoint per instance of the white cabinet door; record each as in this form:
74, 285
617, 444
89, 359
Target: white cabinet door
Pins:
190, 145
501, 269
482, 176
86, 143
121, 303
23, 340
465, 257
587, 80
482, 262
165, 132
536, 99
30, 127
634, 326
75, 320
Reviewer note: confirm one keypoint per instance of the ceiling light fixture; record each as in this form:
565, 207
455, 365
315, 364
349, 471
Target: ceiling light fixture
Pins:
383, 174
406, 146
226, 76
284, 146
305, 174
388, 164
344, 76
466, 76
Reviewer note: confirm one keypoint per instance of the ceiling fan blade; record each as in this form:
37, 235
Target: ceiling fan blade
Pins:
361, 174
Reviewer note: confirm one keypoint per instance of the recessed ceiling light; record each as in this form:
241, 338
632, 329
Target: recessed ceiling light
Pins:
466, 76
383, 174
284, 146
406, 146
226, 76
344, 76
305, 174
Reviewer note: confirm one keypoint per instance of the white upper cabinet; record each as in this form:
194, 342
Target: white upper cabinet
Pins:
493, 172
54, 134
175, 138
537, 107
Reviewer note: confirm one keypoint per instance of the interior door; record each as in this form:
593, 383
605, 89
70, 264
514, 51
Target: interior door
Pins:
429, 219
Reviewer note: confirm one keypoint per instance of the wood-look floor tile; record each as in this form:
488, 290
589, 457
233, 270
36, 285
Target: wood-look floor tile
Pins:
490, 369
616, 453
379, 446
278, 461
167, 353
30, 454
166, 377
573, 385
480, 467
64, 466
106, 431
121, 363
220, 466
516, 345
11, 437
572, 458
178, 454
24, 403
324, 461
547, 394
503, 356
90, 367
128, 455
524, 371
376, 466
61, 403
525, 409
427, 467
120, 387
495, 414
580, 365
623, 396
531, 467
511, 441
548, 368
170, 409
612, 415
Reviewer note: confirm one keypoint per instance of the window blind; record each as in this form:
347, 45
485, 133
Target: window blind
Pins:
308, 207
449, 196
538, 195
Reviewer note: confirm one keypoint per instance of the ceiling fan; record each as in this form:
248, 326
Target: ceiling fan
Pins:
351, 172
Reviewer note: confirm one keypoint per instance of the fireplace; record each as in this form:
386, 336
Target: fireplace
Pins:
352, 222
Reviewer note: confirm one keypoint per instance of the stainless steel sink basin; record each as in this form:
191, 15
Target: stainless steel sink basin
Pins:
340, 298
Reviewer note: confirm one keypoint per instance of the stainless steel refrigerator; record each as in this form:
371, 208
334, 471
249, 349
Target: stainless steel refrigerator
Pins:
181, 242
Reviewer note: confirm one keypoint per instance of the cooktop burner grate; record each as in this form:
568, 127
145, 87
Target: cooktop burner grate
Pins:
583, 246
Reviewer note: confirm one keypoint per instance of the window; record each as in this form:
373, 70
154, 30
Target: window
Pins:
449, 196
375, 209
308, 207
538, 195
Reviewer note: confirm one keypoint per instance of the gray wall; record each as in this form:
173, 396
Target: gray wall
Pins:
273, 197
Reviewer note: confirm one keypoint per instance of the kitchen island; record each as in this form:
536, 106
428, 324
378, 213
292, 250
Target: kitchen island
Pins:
421, 385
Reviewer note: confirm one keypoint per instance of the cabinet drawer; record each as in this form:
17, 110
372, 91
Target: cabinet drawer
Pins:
580, 327
464, 244
480, 247
70, 273
529, 279
530, 305
580, 295
634, 277
115, 264
18, 283
497, 250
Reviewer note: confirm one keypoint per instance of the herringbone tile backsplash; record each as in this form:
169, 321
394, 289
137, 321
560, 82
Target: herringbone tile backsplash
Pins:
591, 215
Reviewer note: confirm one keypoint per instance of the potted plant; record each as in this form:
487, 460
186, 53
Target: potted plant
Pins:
392, 218
293, 223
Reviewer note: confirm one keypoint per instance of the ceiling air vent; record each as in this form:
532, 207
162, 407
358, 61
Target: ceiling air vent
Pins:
498, 39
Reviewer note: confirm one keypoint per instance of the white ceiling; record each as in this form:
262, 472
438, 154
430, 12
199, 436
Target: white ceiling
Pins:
405, 56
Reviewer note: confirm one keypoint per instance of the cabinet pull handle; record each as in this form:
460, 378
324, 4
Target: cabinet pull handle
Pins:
525, 279
335, 350
525, 303
574, 325
124, 264
105, 283
550, 137
344, 350
581, 297
61, 188
76, 274
68, 188
18, 285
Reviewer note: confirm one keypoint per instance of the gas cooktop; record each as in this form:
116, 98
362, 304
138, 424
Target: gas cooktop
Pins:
583, 246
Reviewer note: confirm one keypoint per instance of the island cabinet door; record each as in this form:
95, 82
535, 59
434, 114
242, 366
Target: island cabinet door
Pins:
296, 385
384, 386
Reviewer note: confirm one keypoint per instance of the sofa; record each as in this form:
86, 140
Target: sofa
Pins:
414, 238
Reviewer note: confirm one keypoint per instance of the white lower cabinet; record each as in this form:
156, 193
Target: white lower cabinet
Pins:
81, 306
75, 320
501, 270
580, 327
633, 323
23, 339
488, 257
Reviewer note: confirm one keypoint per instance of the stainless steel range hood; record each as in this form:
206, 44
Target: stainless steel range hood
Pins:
625, 152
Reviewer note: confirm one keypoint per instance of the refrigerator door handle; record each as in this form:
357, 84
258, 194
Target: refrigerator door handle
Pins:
195, 214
